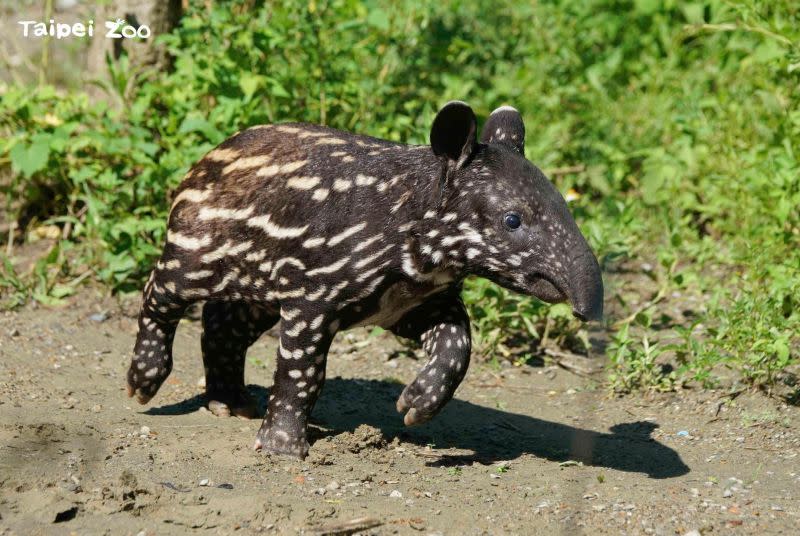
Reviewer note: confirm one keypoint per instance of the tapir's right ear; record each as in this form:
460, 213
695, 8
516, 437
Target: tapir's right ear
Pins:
505, 126
454, 133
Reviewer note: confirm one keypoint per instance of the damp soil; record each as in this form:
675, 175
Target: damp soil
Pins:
520, 450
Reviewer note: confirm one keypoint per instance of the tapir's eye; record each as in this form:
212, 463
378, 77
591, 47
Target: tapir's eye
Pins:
512, 220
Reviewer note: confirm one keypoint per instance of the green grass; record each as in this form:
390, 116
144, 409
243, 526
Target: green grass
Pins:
680, 122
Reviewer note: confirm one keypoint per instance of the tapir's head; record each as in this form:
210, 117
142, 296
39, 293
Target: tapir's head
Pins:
507, 221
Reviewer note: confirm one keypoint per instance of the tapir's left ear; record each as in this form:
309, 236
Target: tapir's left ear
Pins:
505, 126
454, 133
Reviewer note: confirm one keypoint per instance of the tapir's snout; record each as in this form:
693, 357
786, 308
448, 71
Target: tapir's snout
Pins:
585, 291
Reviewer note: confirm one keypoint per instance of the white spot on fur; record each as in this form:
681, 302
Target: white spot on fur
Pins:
189, 293
223, 155
320, 194
313, 242
330, 141
188, 242
211, 213
193, 196
367, 242
366, 260
365, 180
346, 233
285, 260
255, 256
342, 185
225, 250
274, 230
230, 276
280, 169
296, 329
246, 163
199, 274
303, 183
329, 268
314, 296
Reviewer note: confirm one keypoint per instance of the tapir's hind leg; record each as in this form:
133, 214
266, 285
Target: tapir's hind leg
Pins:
441, 324
229, 328
162, 309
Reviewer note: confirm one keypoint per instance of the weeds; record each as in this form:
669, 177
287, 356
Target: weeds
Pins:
635, 360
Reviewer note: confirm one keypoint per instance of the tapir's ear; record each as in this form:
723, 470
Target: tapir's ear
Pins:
505, 126
454, 132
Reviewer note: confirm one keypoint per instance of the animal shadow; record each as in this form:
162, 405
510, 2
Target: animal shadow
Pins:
491, 434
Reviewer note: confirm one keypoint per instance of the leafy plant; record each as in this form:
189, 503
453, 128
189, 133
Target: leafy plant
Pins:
634, 360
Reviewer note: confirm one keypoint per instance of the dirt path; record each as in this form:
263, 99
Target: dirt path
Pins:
520, 451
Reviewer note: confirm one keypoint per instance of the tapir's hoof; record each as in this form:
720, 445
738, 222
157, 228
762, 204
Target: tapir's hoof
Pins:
279, 443
144, 385
416, 410
237, 404
141, 397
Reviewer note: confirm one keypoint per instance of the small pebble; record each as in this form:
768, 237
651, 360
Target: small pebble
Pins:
396, 494
683, 433
204, 482
494, 475
727, 493
333, 486
144, 430
98, 317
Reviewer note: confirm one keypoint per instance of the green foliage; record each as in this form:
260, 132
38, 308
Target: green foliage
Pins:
635, 360
497, 313
680, 121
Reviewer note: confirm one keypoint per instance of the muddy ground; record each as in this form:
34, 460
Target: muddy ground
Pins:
521, 450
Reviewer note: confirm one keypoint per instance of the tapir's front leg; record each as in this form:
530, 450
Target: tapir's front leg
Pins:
441, 324
304, 341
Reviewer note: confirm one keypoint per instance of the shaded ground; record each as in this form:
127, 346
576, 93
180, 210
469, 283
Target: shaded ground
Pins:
521, 450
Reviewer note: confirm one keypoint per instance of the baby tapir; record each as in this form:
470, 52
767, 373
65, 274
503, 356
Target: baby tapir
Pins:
327, 230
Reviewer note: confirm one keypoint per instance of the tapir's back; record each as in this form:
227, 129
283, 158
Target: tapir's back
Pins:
284, 178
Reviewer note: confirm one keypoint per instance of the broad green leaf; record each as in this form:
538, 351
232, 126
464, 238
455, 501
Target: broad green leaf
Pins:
29, 159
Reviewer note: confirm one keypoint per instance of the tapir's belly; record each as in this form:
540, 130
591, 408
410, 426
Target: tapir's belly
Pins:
396, 301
